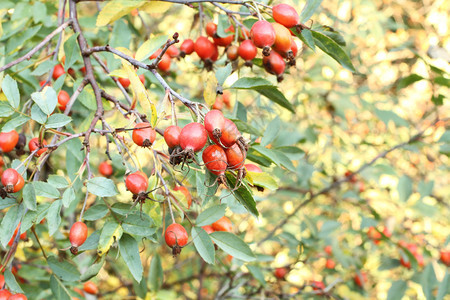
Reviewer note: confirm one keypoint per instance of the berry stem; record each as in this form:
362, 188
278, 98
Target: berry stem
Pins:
166, 189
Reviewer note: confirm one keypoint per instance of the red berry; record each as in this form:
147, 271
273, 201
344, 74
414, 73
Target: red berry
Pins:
214, 123
58, 71
253, 168
218, 104
8, 140
294, 48
208, 229
193, 137
374, 235
34, 144
23, 236
230, 134
274, 63
224, 41
223, 224
125, 82
328, 249
105, 169
78, 234
144, 137
2, 278
211, 29
243, 36
204, 48
142, 78
226, 98
285, 15
330, 264
280, 273
215, 159
164, 63
172, 136
187, 47
186, 193
173, 51
19, 185
63, 99
283, 39
10, 177
233, 52
360, 279
18, 297
420, 260
136, 183
263, 35
41, 83
4, 294
235, 157
445, 257
176, 235
318, 286
215, 54
90, 288
405, 262
247, 50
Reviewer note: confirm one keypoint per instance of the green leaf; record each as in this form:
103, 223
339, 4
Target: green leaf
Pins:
7, 202
223, 24
9, 223
46, 99
13, 123
111, 232
57, 120
246, 127
275, 156
138, 224
257, 274
233, 245
38, 115
404, 188
91, 242
87, 98
251, 83
309, 9
45, 189
59, 182
95, 212
438, 100
63, 269
273, 94
243, 195
331, 48
72, 51
428, 281
129, 251
263, 180
223, 73
54, 217
328, 227
386, 116
11, 282
408, 80
155, 273
68, 197
272, 131
442, 81
210, 215
444, 287
102, 187
150, 46
203, 244
397, 290
58, 289
11, 91
5, 110
29, 196
93, 269
306, 36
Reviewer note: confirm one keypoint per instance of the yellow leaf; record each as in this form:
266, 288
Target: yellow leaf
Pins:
105, 244
150, 46
262, 179
121, 73
141, 93
156, 7
114, 10
209, 94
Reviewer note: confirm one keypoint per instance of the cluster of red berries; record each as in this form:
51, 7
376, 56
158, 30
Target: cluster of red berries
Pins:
411, 247
376, 236
263, 34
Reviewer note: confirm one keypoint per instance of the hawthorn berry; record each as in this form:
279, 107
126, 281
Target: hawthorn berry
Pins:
405, 262
374, 235
330, 264
19, 185
4, 294
8, 140
187, 47
42, 82
34, 144
90, 288
224, 41
328, 250
215, 159
281, 273
263, 35
226, 98
230, 133
233, 52
283, 39
63, 99
10, 177
235, 157
125, 82
164, 63
214, 123
248, 51
172, 136
445, 257
360, 279
173, 51
105, 169
143, 134
274, 64
58, 71
285, 15
204, 48
186, 193
253, 168
18, 297
223, 224
193, 137
211, 29
77, 236
23, 235
244, 33
318, 286
136, 183
218, 104
176, 237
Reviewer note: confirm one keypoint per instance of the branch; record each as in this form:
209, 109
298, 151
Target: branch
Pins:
38, 46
